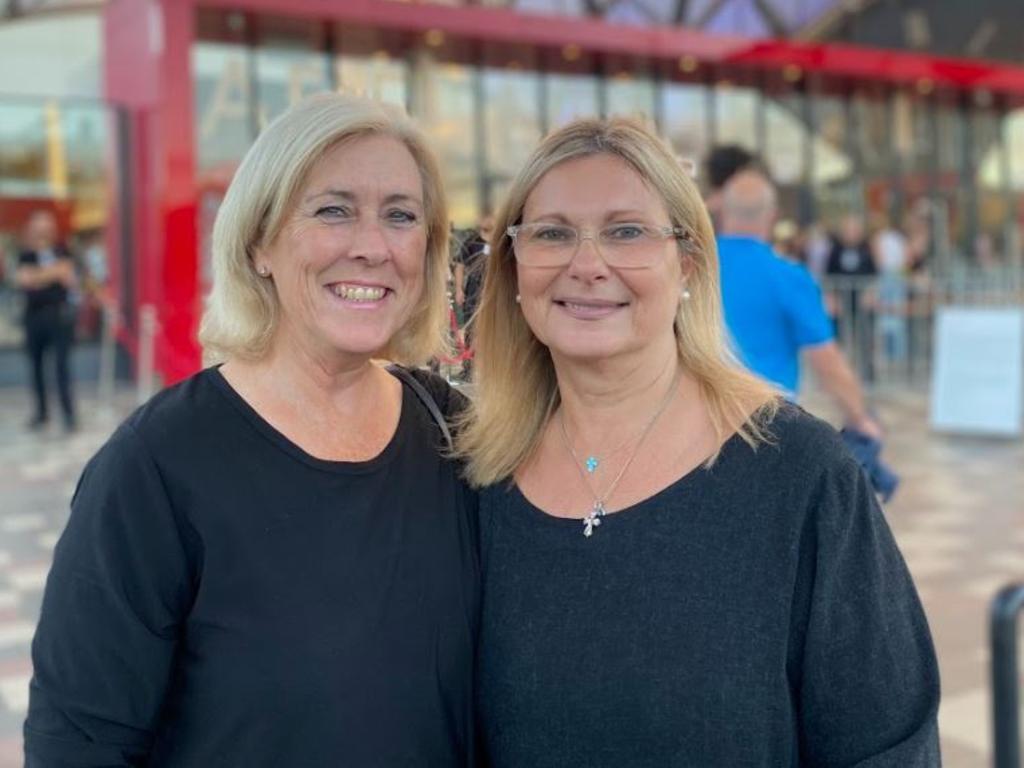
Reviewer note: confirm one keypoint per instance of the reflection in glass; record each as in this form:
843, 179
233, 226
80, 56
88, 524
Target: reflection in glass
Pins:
837, 189
569, 97
378, 76
53, 156
285, 75
512, 126
872, 144
951, 174
1013, 130
684, 114
223, 114
736, 116
785, 134
990, 176
23, 162
911, 136
633, 97
443, 104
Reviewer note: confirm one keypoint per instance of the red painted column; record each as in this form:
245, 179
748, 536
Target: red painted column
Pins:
147, 75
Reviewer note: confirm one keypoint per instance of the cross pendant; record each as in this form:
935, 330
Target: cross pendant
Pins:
592, 464
591, 521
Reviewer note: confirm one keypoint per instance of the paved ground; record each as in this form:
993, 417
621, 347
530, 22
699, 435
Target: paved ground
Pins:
959, 518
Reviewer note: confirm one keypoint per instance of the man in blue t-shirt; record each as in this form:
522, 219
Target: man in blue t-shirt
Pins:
773, 308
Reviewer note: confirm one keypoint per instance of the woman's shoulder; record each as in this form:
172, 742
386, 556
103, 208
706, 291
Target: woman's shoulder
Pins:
174, 415
179, 403
449, 399
802, 443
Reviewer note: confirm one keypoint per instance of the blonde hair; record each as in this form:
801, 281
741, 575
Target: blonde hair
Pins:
242, 308
517, 389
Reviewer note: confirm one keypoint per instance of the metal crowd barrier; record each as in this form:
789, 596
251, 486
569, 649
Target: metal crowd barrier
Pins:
884, 323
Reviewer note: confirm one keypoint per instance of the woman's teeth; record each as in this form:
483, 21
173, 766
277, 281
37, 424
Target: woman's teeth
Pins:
359, 292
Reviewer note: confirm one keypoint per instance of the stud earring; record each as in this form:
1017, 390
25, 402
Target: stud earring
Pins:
686, 294
262, 271
518, 298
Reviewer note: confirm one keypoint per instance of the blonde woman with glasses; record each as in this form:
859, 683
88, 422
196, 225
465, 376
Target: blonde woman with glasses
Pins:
679, 568
271, 563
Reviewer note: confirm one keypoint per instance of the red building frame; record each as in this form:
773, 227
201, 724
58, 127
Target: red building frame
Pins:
147, 77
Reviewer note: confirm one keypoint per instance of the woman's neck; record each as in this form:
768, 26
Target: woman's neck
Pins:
337, 408
291, 373
604, 402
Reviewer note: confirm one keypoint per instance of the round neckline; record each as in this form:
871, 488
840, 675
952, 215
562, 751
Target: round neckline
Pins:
689, 478
280, 441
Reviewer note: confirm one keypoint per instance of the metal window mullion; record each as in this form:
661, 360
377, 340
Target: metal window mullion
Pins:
480, 136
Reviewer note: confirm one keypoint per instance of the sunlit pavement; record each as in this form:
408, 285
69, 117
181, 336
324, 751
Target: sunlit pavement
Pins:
958, 516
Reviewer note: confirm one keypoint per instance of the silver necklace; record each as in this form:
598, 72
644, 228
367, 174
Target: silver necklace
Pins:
593, 461
593, 518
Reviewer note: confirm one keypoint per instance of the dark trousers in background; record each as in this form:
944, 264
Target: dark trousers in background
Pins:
50, 328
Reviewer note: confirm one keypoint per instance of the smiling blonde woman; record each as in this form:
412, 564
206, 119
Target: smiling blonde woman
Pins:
679, 570
271, 564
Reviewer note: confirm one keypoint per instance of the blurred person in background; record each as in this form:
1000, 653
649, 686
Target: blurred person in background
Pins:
468, 279
46, 277
722, 163
773, 309
786, 240
679, 567
891, 255
815, 250
271, 564
850, 270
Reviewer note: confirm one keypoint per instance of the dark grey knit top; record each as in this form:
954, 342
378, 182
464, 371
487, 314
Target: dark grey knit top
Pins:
754, 614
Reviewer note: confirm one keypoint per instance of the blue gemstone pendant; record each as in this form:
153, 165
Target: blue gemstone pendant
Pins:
592, 464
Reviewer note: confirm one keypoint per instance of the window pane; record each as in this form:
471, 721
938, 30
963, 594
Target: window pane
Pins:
570, 97
512, 125
53, 156
378, 77
285, 77
684, 111
736, 116
630, 96
785, 135
223, 88
837, 189
443, 103
370, 63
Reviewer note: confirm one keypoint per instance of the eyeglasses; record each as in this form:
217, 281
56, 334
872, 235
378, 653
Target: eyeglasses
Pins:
622, 245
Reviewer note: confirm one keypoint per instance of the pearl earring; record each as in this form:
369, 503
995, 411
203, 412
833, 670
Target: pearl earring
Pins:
262, 271
518, 298
686, 294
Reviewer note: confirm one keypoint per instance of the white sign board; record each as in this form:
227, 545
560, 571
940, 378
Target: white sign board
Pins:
978, 375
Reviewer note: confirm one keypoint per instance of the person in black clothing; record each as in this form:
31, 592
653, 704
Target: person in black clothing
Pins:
271, 563
851, 267
46, 272
679, 569
469, 279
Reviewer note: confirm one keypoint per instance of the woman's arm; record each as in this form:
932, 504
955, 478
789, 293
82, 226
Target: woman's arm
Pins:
118, 592
867, 681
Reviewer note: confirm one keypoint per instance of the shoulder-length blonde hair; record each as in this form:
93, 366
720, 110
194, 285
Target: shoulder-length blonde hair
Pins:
516, 387
242, 308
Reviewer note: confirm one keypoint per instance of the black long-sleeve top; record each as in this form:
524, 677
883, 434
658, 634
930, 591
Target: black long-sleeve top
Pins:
757, 613
222, 598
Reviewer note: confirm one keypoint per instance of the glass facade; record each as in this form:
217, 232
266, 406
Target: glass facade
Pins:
55, 143
953, 159
833, 148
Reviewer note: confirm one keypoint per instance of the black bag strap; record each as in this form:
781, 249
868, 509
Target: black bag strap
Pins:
406, 377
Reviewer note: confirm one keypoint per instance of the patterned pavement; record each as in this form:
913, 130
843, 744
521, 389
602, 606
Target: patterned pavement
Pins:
958, 516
